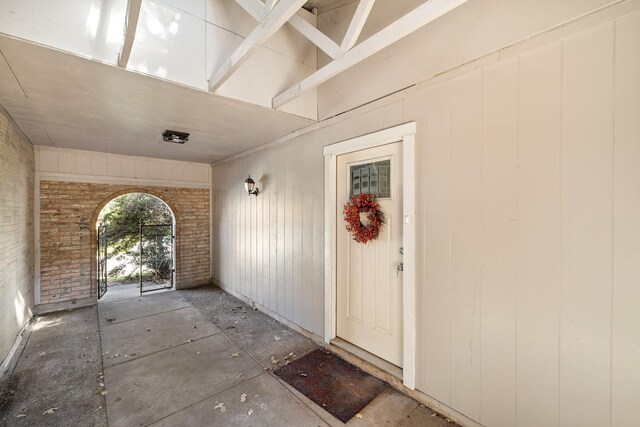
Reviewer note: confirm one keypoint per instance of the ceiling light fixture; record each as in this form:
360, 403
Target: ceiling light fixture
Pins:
175, 136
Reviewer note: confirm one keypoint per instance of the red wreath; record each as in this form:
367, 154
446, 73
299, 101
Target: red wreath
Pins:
363, 203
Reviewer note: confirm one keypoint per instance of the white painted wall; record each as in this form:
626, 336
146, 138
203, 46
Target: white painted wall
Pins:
183, 41
62, 164
477, 28
528, 232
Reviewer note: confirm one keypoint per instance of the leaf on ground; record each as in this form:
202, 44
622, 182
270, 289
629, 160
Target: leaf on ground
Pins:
359, 416
249, 412
20, 415
221, 407
243, 397
235, 354
50, 411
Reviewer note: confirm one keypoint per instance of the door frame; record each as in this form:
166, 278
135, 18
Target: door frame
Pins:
404, 133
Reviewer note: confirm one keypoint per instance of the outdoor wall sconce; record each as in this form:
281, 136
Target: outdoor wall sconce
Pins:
250, 186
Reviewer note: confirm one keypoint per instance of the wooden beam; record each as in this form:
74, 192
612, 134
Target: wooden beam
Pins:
130, 25
254, 8
404, 26
269, 4
315, 36
272, 21
356, 25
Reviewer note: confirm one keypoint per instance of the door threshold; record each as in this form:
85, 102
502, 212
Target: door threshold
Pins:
368, 358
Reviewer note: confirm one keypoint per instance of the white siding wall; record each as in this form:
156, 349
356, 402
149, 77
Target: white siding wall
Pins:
529, 227
473, 30
89, 166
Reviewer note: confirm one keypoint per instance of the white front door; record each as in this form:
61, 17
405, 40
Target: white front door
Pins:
369, 285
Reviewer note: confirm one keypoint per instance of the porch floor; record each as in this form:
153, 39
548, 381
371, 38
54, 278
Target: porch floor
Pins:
172, 359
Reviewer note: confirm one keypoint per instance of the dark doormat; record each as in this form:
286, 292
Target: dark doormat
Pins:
337, 386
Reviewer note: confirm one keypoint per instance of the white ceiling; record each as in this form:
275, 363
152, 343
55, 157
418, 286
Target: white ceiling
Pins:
63, 100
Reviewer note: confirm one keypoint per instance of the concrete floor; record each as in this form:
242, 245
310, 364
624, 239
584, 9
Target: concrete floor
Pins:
172, 359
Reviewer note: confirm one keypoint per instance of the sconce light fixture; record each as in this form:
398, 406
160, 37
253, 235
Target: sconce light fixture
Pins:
250, 186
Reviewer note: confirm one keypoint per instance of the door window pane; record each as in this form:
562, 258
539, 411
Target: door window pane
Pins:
371, 178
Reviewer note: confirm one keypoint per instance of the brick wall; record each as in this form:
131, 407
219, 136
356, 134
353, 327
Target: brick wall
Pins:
68, 215
16, 232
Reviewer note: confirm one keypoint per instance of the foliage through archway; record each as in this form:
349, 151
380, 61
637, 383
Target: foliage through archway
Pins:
122, 217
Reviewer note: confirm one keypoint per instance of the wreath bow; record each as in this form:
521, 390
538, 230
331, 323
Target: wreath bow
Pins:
363, 203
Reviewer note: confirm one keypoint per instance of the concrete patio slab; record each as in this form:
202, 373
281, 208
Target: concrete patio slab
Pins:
56, 380
267, 403
135, 338
388, 409
150, 388
257, 333
425, 417
134, 308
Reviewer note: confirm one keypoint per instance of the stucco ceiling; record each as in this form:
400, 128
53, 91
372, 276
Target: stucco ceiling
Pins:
66, 101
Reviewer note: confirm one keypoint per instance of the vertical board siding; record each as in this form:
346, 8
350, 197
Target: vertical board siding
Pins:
626, 201
265, 244
466, 242
587, 154
529, 231
538, 251
499, 228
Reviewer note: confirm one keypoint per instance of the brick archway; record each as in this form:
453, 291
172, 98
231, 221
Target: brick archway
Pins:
94, 222
68, 216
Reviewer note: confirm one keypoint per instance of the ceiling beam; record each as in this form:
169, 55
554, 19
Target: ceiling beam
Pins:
269, 4
130, 25
315, 36
356, 25
272, 21
412, 21
255, 8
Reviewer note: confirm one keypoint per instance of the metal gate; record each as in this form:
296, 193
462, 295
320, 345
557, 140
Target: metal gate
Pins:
156, 257
102, 260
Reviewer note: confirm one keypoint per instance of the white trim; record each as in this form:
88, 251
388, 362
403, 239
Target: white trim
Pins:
409, 259
406, 134
371, 140
94, 179
26, 329
36, 239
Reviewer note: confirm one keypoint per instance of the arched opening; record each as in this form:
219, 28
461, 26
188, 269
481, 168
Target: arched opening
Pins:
135, 253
